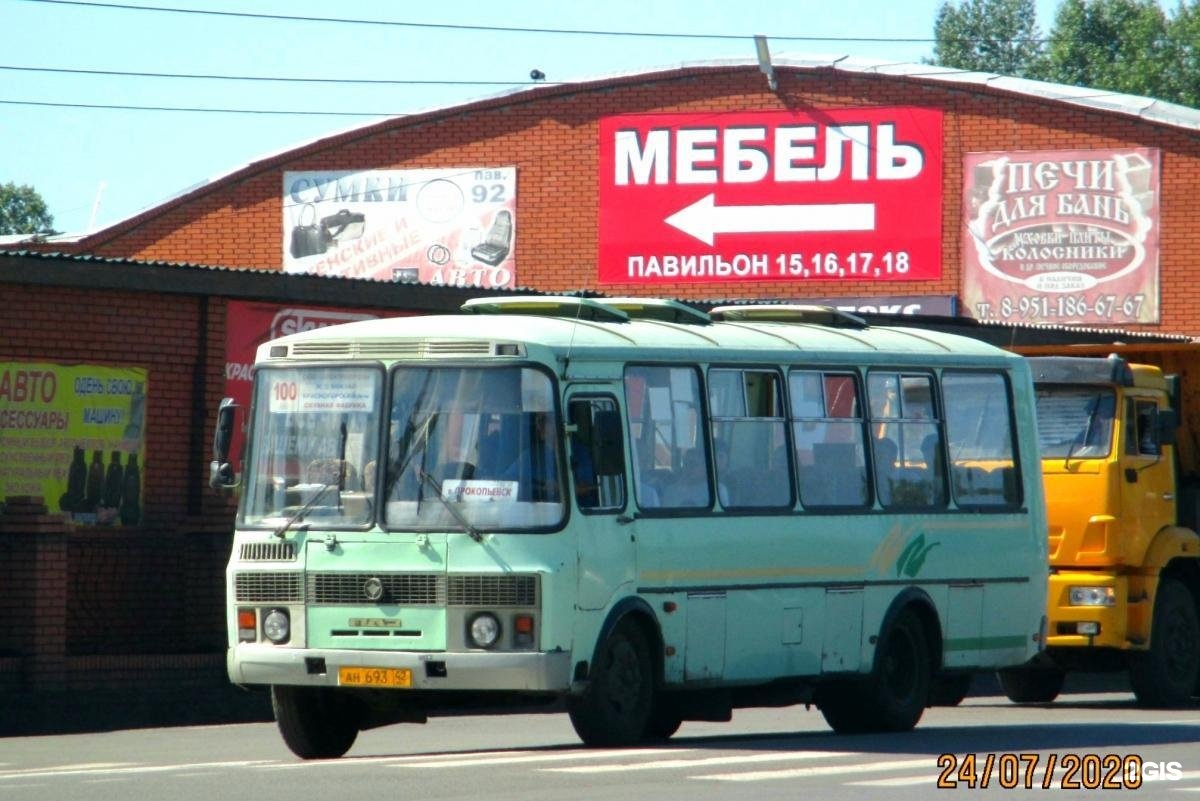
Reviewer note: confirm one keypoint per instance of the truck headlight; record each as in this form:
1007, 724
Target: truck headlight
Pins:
1093, 596
277, 626
484, 630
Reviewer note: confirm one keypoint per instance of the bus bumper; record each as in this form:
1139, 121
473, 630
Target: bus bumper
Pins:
530, 672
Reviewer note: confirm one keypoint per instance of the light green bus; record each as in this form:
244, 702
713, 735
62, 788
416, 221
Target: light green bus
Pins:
652, 513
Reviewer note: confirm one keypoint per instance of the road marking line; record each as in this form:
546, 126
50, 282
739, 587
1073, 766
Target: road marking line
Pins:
533, 757
734, 759
16, 773
823, 770
899, 781
120, 769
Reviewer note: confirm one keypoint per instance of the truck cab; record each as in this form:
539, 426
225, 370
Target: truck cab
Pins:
1124, 584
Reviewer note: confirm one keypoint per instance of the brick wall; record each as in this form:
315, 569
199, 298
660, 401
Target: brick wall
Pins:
552, 139
72, 592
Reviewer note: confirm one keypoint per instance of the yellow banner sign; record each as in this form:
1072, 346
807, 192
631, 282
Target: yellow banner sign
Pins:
74, 435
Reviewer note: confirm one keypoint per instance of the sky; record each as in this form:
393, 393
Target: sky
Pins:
63, 131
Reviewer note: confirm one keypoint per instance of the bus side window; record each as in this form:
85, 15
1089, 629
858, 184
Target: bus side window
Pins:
597, 454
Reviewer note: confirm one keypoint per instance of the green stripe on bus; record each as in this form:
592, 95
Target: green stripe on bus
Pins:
983, 643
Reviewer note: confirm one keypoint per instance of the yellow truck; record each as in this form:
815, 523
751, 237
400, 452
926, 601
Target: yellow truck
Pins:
1119, 440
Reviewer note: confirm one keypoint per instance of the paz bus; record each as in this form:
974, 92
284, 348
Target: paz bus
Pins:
649, 512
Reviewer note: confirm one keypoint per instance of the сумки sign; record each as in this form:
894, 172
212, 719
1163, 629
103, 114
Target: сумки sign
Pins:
845, 195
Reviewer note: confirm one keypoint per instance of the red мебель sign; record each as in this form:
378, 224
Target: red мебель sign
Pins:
847, 195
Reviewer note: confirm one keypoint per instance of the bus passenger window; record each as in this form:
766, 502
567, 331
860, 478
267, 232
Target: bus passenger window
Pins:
904, 418
750, 438
665, 426
979, 437
827, 432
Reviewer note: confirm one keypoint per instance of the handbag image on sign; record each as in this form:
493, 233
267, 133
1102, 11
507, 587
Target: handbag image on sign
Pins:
308, 239
343, 226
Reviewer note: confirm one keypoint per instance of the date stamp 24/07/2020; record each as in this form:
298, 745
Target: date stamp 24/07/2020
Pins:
1069, 771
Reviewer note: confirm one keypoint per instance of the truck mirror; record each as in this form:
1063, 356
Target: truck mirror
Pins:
220, 472
1167, 422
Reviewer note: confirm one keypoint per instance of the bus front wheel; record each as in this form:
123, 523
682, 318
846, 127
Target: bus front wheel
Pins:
895, 695
1167, 674
316, 723
615, 708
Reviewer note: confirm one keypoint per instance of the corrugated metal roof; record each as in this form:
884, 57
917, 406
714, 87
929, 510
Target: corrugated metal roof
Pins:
34, 267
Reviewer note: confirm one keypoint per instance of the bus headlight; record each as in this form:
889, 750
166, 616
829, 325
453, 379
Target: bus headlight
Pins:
277, 626
484, 630
1093, 596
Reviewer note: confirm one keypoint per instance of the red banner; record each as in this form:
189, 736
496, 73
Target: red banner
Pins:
851, 195
252, 324
1062, 236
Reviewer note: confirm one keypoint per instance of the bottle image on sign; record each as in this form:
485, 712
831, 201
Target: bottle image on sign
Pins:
72, 499
112, 482
95, 483
131, 493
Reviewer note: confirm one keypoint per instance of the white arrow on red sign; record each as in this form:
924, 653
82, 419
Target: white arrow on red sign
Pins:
704, 219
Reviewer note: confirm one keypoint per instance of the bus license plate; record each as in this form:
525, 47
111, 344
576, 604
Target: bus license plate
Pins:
374, 677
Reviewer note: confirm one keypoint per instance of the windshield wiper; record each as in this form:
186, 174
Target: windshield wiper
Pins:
1093, 408
309, 504
457, 515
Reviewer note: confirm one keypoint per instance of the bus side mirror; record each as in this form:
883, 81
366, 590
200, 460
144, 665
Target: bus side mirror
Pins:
609, 456
220, 472
1167, 422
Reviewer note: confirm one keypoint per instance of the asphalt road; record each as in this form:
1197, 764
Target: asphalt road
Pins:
762, 754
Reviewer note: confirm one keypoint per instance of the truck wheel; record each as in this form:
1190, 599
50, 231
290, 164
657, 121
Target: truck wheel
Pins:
316, 723
950, 690
895, 695
1031, 686
1166, 674
613, 711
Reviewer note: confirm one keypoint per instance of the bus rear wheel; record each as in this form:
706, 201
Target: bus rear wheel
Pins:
316, 723
895, 695
1031, 686
1167, 674
615, 708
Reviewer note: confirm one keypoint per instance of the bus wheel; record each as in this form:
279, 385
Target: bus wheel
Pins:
315, 722
895, 695
664, 720
615, 708
1166, 674
1031, 686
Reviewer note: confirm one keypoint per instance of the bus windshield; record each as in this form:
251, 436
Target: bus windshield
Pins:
1074, 421
316, 435
473, 445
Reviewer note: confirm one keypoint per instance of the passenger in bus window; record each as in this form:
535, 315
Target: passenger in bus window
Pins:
886, 452
689, 487
583, 469
647, 493
535, 466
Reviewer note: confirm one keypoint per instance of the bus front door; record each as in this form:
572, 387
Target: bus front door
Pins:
595, 446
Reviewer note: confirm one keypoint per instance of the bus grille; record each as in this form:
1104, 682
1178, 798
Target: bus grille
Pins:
273, 587
407, 589
268, 552
493, 591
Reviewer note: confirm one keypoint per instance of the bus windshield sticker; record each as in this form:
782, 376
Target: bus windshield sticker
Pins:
470, 491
